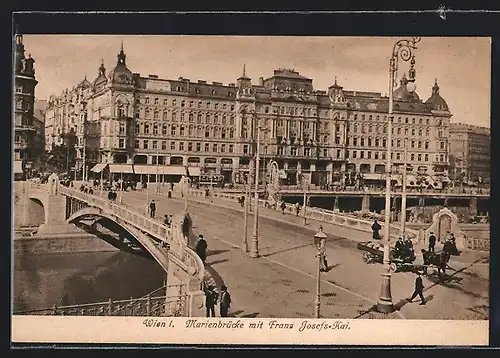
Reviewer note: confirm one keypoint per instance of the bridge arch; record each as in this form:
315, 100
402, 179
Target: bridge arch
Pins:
36, 212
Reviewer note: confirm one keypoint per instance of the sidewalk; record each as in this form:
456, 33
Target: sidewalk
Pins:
282, 281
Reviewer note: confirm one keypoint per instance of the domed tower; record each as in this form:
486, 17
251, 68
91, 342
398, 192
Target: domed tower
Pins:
336, 94
402, 94
101, 79
435, 102
120, 74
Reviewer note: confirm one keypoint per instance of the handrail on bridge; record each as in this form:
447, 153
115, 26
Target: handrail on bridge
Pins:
178, 248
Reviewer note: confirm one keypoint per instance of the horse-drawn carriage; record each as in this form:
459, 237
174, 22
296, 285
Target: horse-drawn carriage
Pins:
374, 252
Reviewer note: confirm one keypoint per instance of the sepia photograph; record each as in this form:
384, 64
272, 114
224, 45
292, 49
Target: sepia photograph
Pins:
223, 178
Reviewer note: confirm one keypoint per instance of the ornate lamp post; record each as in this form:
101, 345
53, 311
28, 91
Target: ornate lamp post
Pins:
254, 251
319, 240
402, 49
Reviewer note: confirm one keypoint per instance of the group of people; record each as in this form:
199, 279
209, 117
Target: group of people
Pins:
86, 189
211, 298
403, 248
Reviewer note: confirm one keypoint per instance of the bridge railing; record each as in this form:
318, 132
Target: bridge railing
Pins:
178, 248
318, 214
480, 244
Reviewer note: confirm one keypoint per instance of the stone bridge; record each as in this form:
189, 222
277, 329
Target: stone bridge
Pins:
126, 229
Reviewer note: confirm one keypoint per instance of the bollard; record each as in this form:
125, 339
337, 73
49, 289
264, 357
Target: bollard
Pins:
110, 307
148, 306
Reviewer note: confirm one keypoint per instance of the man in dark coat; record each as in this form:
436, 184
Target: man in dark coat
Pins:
283, 206
376, 228
152, 209
432, 242
225, 301
419, 289
201, 248
210, 301
398, 248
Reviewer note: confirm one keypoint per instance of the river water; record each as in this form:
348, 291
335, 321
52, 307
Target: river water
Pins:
42, 280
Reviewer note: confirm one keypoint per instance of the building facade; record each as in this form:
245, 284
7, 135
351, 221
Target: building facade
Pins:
313, 136
470, 153
24, 98
38, 123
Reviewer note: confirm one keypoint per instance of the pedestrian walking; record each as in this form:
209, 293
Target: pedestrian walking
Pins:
210, 301
432, 242
283, 206
152, 209
297, 209
225, 301
419, 289
166, 220
201, 248
376, 229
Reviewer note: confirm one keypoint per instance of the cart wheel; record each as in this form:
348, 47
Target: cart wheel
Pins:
366, 257
393, 267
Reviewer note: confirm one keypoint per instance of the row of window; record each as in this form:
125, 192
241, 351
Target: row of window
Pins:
181, 146
208, 118
191, 104
191, 131
405, 120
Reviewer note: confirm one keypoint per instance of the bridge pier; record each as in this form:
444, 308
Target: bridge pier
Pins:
55, 217
473, 206
365, 204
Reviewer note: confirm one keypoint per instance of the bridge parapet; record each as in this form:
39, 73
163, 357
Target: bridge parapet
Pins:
322, 215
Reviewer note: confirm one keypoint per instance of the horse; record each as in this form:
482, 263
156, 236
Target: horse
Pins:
440, 260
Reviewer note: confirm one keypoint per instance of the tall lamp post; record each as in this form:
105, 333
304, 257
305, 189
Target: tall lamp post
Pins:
254, 251
403, 196
319, 240
402, 49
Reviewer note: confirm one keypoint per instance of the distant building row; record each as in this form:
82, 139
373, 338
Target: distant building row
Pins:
122, 117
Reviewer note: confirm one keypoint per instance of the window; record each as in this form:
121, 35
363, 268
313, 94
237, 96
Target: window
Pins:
442, 145
181, 146
190, 147
398, 156
121, 143
155, 129
165, 102
137, 114
137, 144
325, 139
413, 131
354, 153
145, 144
122, 128
420, 132
155, 144
190, 131
183, 103
369, 155
164, 129
307, 152
339, 154
384, 142
165, 115
383, 155
231, 133
245, 149
198, 147
191, 117
207, 147
173, 130
362, 141
412, 156
281, 151
419, 157
182, 131
375, 155
164, 145
146, 100
207, 132
155, 115
293, 151
146, 128
355, 141
157, 101
398, 144
231, 148
146, 113
441, 158
174, 102
377, 143
362, 154
426, 145
426, 157
413, 144
214, 147
325, 152
427, 132
199, 117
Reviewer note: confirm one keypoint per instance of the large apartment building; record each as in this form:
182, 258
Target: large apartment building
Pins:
311, 134
24, 99
470, 153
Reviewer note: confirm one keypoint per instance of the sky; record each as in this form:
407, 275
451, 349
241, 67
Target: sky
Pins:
462, 65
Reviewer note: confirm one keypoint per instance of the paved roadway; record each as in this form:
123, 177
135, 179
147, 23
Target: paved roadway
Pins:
282, 283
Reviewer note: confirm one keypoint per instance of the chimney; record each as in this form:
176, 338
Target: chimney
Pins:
261, 81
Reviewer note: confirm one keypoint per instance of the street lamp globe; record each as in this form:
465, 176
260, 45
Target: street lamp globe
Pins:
320, 238
411, 87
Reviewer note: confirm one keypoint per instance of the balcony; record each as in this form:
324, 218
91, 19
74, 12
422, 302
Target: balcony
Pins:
20, 145
24, 127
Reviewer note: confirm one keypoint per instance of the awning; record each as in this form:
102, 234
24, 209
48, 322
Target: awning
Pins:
160, 169
121, 168
194, 171
18, 167
374, 176
98, 167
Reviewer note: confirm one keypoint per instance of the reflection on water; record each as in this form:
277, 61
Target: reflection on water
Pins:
42, 280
